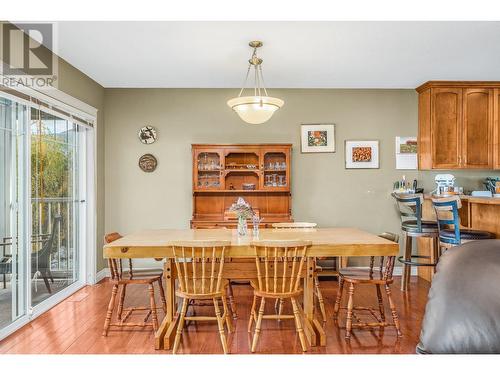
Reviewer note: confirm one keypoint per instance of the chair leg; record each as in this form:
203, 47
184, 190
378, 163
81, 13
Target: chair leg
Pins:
220, 322
180, 325
395, 317
258, 325
350, 307
152, 302
229, 323
298, 325
380, 303
406, 267
252, 314
162, 295
121, 301
232, 304
46, 281
320, 298
338, 300
109, 312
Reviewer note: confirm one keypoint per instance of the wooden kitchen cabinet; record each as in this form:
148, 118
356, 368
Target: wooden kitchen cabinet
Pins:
477, 130
458, 125
446, 132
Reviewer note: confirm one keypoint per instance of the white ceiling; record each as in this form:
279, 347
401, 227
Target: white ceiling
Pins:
296, 54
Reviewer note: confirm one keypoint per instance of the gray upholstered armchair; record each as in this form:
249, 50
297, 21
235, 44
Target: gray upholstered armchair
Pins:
463, 311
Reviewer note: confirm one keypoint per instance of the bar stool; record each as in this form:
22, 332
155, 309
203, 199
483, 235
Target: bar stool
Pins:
448, 218
410, 211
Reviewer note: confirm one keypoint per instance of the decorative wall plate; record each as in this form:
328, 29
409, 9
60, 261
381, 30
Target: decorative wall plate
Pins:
147, 135
148, 163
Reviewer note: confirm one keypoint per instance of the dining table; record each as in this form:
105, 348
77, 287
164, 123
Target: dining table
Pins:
326, 242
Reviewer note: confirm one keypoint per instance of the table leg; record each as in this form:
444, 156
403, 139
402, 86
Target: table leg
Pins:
168, 275
310, 326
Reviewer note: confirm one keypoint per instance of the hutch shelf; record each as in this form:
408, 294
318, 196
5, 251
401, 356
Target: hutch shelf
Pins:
260, 173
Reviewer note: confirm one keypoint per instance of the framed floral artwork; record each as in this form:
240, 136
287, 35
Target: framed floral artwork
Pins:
317, 138
361, 154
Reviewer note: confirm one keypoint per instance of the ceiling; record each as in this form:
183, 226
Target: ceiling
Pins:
296, 54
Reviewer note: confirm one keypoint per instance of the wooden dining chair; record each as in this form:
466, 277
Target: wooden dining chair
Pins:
120, 279
199, 266
230, 293
377, 277
318, 269
280, 268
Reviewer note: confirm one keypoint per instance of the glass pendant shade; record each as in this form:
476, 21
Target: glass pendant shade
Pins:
260, 107
255, 109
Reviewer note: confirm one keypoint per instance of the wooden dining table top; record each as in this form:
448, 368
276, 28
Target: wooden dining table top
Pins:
325, 242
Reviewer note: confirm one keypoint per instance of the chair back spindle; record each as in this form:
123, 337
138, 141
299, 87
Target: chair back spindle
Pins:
386, 264
280, 265
199, 265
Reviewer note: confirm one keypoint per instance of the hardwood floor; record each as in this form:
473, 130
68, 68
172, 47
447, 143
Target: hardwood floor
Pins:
75, 326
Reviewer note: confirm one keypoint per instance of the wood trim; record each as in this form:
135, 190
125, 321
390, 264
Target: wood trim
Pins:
457, 84
424, 130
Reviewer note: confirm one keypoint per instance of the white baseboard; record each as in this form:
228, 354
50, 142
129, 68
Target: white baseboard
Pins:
398, 271
102, 274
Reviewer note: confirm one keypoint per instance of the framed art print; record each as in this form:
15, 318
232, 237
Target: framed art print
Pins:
361, 154
317, 138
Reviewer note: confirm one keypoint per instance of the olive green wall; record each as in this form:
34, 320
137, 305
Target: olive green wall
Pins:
323, 191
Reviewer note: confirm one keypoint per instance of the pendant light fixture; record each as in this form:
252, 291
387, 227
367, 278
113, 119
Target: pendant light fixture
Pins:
258, 108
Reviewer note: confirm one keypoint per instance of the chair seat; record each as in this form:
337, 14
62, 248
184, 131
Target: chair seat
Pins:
255, 285
411, 226
357, 275
140, 276
468, 234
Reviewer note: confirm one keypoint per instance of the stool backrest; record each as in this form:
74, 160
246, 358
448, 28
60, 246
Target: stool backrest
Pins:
292, 225
386, 264
448, 218
410, 207
280, 264
199, 265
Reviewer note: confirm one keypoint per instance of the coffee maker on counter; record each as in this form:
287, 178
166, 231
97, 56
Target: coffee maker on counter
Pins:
445, 184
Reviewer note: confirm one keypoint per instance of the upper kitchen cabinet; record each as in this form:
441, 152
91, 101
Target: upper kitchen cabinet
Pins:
458, 125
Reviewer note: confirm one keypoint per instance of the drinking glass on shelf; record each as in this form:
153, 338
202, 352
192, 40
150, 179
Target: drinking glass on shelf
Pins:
270, 166
282, 180
283, 166
274, 179
277, 166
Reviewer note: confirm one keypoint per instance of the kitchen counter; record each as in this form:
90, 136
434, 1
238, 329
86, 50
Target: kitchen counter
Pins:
471, 199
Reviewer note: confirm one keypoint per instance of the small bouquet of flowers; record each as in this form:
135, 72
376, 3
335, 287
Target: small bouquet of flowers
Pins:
243, 211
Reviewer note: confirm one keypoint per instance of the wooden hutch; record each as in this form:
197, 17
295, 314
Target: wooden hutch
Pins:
260, 173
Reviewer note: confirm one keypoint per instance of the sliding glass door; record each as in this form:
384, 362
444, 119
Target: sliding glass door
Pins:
55, 204
13, 121
43, 160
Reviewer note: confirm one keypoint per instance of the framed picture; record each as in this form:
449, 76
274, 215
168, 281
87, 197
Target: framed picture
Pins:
361, 154
317, 138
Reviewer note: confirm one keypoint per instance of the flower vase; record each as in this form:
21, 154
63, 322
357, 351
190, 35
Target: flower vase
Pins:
242, 226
